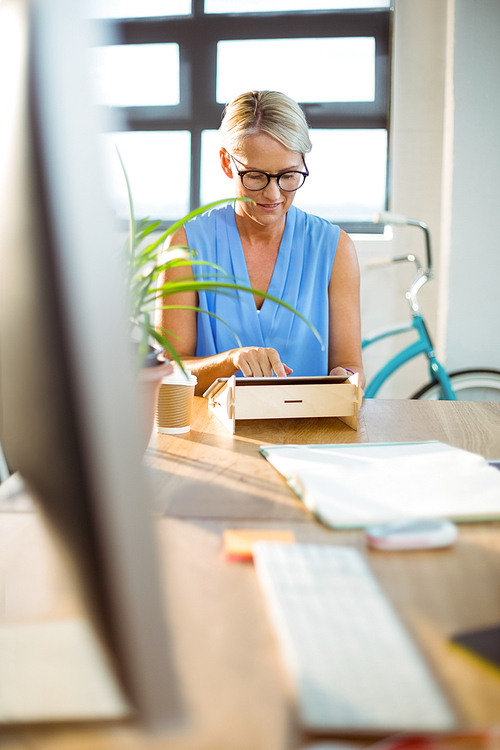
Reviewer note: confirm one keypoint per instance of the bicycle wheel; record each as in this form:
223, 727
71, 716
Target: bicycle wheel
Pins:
469, 385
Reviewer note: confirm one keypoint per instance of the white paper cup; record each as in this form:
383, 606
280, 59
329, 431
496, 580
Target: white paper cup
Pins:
175, 402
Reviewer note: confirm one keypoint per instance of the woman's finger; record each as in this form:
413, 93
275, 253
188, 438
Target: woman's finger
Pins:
245, 368
340, 371
252, 362
276, 363
259, 362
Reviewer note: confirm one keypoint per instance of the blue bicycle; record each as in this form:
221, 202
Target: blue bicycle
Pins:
464, 385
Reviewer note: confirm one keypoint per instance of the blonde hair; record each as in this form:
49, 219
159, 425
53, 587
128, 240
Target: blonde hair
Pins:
269, 112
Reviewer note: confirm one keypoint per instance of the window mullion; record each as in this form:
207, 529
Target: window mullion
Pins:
200, 57
195, 189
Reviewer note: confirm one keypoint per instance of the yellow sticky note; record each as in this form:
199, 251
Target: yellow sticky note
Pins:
238, 542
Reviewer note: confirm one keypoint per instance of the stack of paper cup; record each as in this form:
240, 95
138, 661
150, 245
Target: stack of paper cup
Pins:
175, 402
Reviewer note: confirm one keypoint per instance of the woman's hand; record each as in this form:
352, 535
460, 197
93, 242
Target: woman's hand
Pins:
347, 374
258, 362
341, 371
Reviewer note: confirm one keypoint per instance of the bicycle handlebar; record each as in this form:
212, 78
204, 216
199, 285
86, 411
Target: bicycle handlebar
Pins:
398, 220
387, 217
423, 274
382, 262
388, 260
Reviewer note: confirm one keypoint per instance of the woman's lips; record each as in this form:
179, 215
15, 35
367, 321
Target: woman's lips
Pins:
269, 206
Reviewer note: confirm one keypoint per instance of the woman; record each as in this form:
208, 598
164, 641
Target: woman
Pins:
274, 247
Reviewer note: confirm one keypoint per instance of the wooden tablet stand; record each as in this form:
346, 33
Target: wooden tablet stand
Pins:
232, 399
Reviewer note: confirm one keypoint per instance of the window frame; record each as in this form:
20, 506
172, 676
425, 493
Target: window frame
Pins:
197, 35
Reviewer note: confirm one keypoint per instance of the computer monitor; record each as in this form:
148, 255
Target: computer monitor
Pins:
67, 407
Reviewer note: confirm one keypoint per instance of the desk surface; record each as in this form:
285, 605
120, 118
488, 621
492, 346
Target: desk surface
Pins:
209, 473
207, 480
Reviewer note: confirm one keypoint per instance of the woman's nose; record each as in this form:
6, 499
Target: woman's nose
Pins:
272, 190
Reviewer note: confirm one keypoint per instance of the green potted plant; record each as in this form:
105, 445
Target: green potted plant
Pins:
144, 263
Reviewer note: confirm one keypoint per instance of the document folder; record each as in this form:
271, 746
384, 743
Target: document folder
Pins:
356, 485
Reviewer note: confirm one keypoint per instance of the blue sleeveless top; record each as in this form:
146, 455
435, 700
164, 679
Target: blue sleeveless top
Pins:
301, 277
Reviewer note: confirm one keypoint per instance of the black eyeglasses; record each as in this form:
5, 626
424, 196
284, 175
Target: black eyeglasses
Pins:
255, 180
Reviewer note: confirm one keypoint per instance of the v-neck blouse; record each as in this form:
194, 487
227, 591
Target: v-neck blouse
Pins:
301, 276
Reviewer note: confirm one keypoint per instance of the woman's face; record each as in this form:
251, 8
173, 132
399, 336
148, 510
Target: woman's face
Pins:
263, 153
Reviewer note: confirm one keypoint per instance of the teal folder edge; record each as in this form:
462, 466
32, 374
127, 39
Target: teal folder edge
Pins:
265, 449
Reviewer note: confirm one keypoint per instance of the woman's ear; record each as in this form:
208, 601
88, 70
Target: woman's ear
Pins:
226, 163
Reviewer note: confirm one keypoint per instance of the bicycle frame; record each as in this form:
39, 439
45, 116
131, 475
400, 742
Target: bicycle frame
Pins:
423, 345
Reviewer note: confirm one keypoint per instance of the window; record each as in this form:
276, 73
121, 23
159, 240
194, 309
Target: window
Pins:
136, 8
292, 65
173, 66
158, 168
134, 74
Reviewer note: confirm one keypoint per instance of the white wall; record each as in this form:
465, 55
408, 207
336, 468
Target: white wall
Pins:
473, 316
417, 149
445, 149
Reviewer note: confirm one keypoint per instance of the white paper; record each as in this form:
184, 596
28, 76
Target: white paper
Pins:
360, 484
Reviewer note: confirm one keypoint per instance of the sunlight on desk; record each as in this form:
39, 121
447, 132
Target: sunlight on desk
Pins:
56, 671
52, 664
237, 692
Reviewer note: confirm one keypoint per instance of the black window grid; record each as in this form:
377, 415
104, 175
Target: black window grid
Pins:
197, 35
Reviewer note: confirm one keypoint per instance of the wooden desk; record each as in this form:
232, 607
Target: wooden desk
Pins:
236, 691
209, 473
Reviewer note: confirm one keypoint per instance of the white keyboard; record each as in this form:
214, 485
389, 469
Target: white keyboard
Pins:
353, 664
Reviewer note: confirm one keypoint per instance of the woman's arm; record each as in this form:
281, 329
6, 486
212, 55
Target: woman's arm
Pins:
180, 327
344, 345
